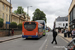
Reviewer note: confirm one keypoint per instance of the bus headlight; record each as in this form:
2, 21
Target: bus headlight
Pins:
36, 33
22, 33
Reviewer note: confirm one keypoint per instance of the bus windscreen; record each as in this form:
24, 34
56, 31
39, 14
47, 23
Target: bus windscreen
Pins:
30, 27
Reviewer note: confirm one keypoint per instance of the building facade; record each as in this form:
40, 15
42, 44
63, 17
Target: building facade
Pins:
4, 13
27, 18
61, 22
71, 15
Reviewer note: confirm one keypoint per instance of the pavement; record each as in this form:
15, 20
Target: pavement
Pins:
66, 38
8, 38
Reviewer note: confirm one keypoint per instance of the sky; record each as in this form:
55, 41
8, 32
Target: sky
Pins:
52, 8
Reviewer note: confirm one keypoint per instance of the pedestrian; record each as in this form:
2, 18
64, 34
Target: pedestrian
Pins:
65, 33
63, 30
12, 32
73, 33
68, 33
54, 36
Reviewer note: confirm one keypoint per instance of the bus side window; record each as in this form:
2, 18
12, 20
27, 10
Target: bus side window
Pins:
43, 26
40, 30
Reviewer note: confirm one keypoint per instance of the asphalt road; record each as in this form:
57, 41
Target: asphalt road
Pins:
43, 43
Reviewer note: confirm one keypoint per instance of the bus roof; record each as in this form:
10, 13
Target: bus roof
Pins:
29, 21
40, 21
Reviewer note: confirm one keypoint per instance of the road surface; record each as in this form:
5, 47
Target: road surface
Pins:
43, 43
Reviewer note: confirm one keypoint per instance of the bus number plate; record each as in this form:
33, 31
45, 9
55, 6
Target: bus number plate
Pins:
29, 37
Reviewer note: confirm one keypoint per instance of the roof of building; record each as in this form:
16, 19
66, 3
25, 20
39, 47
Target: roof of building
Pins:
62, 19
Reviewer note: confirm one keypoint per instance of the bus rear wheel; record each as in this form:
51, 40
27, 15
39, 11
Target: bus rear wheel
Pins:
44, 35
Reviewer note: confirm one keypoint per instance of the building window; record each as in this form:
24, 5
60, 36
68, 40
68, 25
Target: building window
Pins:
59, 23
66, 24
71, 17
74, 13
63, 24
6, 17
3, 15
6, 8
66, 20
9, 9
3, 6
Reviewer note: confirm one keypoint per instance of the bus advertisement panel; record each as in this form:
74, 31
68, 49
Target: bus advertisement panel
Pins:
32, 29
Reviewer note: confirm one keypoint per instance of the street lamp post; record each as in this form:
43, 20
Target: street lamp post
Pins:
9, 17
27, 11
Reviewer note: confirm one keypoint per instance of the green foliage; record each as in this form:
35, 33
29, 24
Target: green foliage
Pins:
15, 12
20, 26
19, 10
39, 15
27, 14
31, 20
13, 25
1, 22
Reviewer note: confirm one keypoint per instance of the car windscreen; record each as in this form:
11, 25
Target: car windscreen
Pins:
30, 26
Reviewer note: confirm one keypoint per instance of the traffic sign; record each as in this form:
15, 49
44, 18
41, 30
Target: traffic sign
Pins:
7, 22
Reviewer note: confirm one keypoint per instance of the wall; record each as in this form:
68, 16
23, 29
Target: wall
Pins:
5, 33
68, 22
72, 5
0, 10
69, 11
6, 12
15, 19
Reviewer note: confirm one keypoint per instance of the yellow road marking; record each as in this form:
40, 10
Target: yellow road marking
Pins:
46, 45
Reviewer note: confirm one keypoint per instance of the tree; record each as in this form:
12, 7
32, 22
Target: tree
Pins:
31, 20
19, 10
13, 25
20, 26
39, 15
15, 11
1, 22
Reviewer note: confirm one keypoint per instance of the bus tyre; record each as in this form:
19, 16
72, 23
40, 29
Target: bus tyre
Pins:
44, 35
27, 38
39, 37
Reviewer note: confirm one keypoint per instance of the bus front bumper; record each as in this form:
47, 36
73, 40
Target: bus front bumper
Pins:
26, 36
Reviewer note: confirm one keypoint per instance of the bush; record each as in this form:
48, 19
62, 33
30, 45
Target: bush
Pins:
20, 26
13, 25
1, 22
